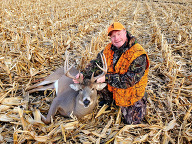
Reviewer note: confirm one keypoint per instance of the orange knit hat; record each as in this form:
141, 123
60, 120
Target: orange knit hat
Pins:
115, 26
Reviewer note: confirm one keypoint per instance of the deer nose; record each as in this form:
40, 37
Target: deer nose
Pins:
86, 102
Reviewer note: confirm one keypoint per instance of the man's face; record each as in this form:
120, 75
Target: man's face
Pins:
118, 37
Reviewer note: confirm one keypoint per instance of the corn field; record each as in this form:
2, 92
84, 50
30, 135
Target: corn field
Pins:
34, 35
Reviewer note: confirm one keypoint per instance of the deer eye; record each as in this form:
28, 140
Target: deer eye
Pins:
92, 89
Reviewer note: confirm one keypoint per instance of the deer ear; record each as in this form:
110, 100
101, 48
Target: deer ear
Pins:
75, 87
100, 86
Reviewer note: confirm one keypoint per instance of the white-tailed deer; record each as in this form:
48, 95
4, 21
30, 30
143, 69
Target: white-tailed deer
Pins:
77, 99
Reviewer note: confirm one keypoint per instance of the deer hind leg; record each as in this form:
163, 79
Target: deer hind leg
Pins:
52, 111
42, 88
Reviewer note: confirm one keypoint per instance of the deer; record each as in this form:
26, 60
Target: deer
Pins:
72, 99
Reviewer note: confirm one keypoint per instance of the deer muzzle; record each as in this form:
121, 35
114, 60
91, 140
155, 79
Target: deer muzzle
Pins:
86, 102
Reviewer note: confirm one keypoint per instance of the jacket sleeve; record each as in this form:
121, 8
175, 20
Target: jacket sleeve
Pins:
131, 77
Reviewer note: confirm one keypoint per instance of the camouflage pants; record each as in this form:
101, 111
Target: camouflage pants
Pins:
133, 114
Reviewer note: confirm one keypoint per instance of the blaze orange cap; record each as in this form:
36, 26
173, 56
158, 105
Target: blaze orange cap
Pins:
115, 26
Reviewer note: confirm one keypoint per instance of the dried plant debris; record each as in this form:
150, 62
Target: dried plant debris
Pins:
34, 36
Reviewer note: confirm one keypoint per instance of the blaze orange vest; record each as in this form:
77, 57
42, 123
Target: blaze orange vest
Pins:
126, 97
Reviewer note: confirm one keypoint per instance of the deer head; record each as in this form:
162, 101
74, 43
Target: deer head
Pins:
87, 87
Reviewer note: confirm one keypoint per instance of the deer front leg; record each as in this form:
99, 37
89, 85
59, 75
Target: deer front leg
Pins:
52, 111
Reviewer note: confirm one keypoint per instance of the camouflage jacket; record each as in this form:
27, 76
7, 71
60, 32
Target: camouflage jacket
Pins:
132, 76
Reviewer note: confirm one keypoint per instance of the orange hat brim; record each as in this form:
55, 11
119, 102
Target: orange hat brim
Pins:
115, 26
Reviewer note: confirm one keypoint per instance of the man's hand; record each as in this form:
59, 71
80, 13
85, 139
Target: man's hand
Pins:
101, 79
78, 76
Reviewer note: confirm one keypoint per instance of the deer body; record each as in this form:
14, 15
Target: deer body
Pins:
57, 80
77, 103
71, 99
